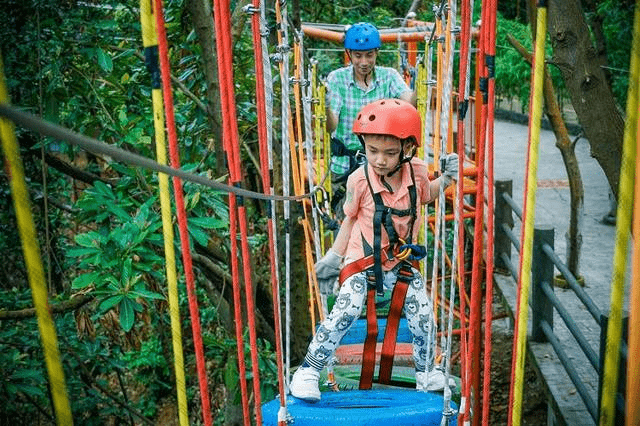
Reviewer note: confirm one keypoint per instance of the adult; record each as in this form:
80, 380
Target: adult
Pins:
349, 89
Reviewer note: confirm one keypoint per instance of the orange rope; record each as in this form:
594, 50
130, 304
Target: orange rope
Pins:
633, 376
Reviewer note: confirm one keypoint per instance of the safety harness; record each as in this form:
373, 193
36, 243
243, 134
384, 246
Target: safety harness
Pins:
372, 264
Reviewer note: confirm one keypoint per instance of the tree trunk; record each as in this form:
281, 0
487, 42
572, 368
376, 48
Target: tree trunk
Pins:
567, 149
581, 67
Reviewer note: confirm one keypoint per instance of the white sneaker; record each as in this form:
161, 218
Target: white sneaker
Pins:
304, 384
432, 381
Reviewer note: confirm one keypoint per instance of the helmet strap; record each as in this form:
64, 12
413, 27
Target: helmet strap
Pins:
403, 159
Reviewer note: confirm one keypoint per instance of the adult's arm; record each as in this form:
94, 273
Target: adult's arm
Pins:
332, 120
409, 96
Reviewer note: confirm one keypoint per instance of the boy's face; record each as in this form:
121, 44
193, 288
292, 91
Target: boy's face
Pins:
383, 152
363, 61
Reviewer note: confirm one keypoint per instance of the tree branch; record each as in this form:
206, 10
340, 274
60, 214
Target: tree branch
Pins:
64, 207
70, 170
58, 308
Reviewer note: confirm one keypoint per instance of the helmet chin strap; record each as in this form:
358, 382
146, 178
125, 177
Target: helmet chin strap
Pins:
404, 159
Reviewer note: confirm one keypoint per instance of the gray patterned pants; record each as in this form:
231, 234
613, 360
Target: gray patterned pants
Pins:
418, 309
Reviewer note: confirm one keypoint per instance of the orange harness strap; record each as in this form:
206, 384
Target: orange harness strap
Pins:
393, 322
369, 347
391, 332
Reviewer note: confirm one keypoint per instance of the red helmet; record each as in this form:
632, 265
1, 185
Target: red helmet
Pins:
393, 117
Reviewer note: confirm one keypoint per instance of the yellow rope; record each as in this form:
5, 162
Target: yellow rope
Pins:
527, 243
319, 120
439, 86
421, 103
35, 270
623, 224
149, 39
324, 157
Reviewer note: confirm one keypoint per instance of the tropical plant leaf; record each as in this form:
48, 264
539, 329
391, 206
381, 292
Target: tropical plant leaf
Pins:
104, 60
110, 302
127, 314
85, 280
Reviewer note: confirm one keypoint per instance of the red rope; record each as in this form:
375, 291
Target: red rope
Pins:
486, 390
233, 224
237, 311
469, 357
266, 183
229, 117
180, 209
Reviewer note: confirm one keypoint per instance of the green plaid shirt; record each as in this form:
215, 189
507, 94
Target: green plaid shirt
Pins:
346, 99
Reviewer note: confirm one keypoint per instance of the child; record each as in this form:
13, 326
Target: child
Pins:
390, 131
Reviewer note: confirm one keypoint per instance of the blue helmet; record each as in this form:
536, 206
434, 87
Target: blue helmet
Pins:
362, 36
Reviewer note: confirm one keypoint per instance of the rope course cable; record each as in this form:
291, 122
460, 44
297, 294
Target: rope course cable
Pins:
45, 128
472, 362
237, 211
282, 58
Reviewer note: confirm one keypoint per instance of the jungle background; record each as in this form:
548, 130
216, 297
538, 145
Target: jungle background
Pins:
80, 65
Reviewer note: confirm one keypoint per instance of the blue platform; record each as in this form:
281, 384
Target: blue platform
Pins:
363, 407
358, 332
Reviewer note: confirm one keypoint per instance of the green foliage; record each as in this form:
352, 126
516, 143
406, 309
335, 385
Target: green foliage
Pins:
512, 72
150, 369
108, 252
22, 375
617, 25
